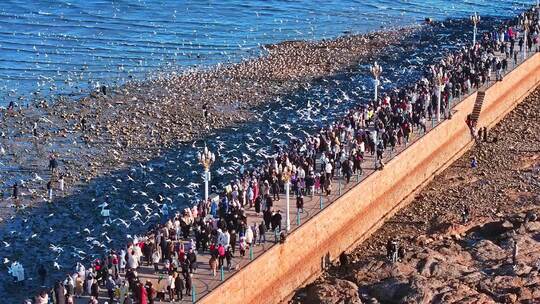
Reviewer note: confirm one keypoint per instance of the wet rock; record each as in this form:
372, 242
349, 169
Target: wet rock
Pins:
332, 291
486, 250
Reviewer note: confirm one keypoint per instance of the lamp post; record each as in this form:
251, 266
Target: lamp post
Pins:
206, 159
538, 9
525, 22
375, 141
286, 177
439, 83
376, 70
475, 19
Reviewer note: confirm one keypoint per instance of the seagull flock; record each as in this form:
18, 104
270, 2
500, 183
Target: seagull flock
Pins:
116, 208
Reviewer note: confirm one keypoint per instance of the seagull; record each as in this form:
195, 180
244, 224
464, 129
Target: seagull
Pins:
122, 222
147, 209
193, 185
97, 243
56, 265
137, 214
37, 178
55, 248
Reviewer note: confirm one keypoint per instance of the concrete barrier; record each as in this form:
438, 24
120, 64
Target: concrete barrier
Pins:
342, 225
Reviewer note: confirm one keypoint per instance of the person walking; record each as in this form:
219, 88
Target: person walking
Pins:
79, 283
142, 294
150, 292
124, 291
276, 221
189, 284
192, 260
42, 273
170, 285
110, 285
179, 287
49, 190
15, 191
300, 203
515, 252
59, 293
267, 217
249, 236
262, 233
243, 245
61, 183
53, 163
42, 298
228, 257
156, 258
474, 162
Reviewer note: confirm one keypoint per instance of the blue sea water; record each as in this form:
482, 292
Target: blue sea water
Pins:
67, 47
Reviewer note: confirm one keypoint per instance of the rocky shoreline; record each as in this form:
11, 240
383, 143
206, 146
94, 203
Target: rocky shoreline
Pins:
108, 130
447, 260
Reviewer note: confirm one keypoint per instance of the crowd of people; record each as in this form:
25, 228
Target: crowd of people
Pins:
220, 226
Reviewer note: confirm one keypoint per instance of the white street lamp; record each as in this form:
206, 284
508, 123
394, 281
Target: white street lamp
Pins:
525, 22
286, 177
439, 83
538, 10
375, 140
475, 19
206, 159
376, 70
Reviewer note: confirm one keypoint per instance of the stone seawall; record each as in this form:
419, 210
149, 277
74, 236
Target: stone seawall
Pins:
274, 275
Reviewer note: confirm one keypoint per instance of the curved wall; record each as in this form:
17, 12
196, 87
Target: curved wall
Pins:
274, 275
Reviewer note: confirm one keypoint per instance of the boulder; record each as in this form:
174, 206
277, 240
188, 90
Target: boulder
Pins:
332, 291
487, 251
